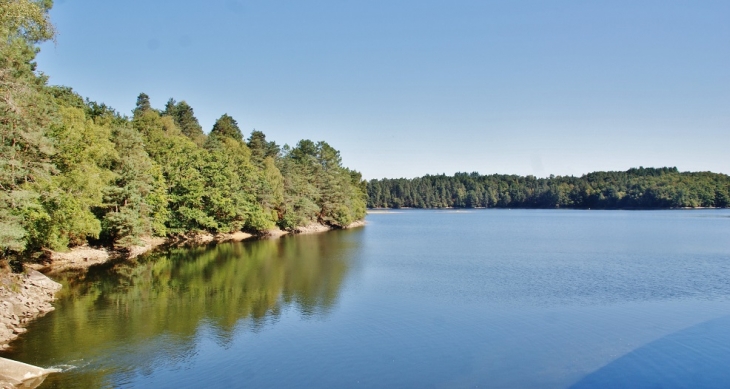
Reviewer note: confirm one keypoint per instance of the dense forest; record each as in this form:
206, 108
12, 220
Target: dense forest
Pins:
642, 188
74, 170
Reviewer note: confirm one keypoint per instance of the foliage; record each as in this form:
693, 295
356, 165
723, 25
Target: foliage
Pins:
26, 20
83, 158
185, 119
642, 188
261, 149
25, 114
74, 170
226, 126
317, 188
135, 204
142, 105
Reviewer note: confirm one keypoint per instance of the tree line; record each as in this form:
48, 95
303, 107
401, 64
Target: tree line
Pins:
637, 188
74, 170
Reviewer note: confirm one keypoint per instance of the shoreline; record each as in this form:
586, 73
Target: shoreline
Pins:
85, 256
24, 297
27, 296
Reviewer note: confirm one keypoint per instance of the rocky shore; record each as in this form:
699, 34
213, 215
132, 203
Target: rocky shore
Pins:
82, 257
23, 297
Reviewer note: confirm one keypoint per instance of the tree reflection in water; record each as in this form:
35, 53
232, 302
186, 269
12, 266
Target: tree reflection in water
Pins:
129, 317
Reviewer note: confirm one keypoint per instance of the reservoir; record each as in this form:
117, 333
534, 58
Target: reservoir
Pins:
415, 299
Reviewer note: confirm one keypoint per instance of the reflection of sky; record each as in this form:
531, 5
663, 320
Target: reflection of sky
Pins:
409, 88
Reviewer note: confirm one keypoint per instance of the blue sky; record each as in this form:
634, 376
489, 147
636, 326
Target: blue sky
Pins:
407, 88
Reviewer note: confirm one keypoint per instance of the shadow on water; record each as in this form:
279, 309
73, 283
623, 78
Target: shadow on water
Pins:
696, 357
123, 319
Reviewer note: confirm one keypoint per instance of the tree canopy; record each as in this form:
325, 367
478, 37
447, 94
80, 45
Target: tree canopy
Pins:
74, 170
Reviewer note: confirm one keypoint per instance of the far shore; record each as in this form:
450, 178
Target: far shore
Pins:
395, 210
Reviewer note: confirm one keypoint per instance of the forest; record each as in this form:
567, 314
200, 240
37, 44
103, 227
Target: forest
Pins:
73, 170
638, 188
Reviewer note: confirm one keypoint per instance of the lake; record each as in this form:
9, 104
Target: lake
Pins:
416, 299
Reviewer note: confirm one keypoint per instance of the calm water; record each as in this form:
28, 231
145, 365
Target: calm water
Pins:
487, 298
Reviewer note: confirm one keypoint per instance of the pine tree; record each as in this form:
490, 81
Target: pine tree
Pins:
185, 120
226, 126
143, 104
261, 148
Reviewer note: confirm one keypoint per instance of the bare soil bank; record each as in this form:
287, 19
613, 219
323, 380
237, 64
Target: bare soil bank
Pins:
82, 257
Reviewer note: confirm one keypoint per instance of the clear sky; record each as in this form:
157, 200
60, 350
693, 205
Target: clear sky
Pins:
408, 88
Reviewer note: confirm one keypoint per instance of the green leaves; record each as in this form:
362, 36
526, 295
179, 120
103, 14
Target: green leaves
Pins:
318, 188
143, 105
73, 170
136, 202
185, 119
26, 19
226, 126
261, 149
26, 111
61, 212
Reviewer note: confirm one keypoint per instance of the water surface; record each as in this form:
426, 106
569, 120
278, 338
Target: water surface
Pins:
484, 298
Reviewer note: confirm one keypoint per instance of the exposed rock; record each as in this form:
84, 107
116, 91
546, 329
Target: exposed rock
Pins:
233, 237
319, 227
312, 228
202, 238
84, 255
359, 223
80, 258
149, 244
23, 297
273, 233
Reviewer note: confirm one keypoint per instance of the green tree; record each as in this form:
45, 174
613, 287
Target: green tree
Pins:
25, 112
62, 213
318, 189
299, 167
185, 120
135, 204
231, 182
261, 148
226, 126
181, 162
142, 105
73, 170
26, 20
